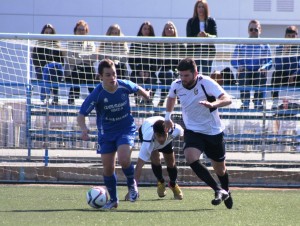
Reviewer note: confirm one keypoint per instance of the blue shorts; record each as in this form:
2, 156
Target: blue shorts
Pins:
109, 142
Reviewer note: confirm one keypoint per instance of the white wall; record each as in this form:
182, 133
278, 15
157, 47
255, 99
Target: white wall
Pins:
232, 16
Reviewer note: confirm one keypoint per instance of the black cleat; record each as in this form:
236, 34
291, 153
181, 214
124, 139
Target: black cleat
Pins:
220, 196
228, 202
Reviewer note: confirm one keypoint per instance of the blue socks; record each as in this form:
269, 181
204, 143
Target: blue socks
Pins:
129, 173
111, 185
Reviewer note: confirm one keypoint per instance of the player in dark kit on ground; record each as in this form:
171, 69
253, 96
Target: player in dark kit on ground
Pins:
200, 96
116, 127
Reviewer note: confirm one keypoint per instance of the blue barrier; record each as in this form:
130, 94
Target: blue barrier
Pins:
144, 111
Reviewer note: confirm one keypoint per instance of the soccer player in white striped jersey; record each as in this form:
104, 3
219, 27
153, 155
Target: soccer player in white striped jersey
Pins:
200, 97
155, 140
116, 127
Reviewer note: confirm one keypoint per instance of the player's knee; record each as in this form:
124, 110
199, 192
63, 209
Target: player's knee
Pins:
170, 164
220, 171
191, 155
190, 159
125, 163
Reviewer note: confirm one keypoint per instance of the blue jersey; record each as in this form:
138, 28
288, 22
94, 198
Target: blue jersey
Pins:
252, 57
112, 109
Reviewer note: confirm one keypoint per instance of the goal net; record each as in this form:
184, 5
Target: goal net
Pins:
44, 79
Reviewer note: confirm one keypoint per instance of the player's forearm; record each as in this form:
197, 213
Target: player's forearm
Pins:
223, 101
169, 108
81, 122
138, 169
144, 93
170, 104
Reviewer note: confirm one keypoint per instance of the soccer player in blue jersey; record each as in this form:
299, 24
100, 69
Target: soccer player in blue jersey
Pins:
116, 127
200, 97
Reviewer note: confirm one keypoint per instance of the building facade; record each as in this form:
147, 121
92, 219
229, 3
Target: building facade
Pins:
232, 16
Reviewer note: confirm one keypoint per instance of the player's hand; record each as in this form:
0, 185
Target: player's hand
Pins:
148, 93
85, 135
262, 70
168, 125
207, 104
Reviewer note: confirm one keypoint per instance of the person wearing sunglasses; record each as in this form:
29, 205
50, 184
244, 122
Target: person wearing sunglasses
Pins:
252, 61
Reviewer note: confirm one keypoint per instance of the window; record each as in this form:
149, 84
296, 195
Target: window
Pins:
262, 5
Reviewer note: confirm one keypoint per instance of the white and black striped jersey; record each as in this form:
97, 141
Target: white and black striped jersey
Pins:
149, 143
197, 117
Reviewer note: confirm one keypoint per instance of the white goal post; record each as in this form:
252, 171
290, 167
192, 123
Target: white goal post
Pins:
40, 96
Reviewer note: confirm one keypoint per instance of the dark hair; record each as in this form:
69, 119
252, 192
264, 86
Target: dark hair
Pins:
291, 30
159, 127
187, 64
151, 29
254, 22
228, 76
48, 26
105, 63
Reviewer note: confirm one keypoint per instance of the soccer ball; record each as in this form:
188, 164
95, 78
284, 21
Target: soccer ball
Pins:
96, 197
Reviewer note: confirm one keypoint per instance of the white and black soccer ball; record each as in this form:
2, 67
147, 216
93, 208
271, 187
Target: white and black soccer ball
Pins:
96, 197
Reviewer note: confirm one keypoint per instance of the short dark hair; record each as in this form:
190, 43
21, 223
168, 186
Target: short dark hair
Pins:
105, 63
48, 26
291, 30
187, 64
159, 127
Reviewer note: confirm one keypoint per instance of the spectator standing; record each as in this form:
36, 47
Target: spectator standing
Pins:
48, 52
285, 63
252, 63
116, 51
201, 25
171, 55
200, 96
116, 127
81, 58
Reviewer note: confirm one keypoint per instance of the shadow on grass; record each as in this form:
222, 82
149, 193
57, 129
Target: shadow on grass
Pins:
114, 210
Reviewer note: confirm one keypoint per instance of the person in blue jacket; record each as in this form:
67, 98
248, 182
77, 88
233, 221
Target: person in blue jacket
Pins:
252, 61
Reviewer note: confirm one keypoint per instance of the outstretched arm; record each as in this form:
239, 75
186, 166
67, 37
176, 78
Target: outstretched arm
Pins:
222, 101
138, 169
144, 93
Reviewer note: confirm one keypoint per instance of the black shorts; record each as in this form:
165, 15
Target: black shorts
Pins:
168, 149
212, 145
